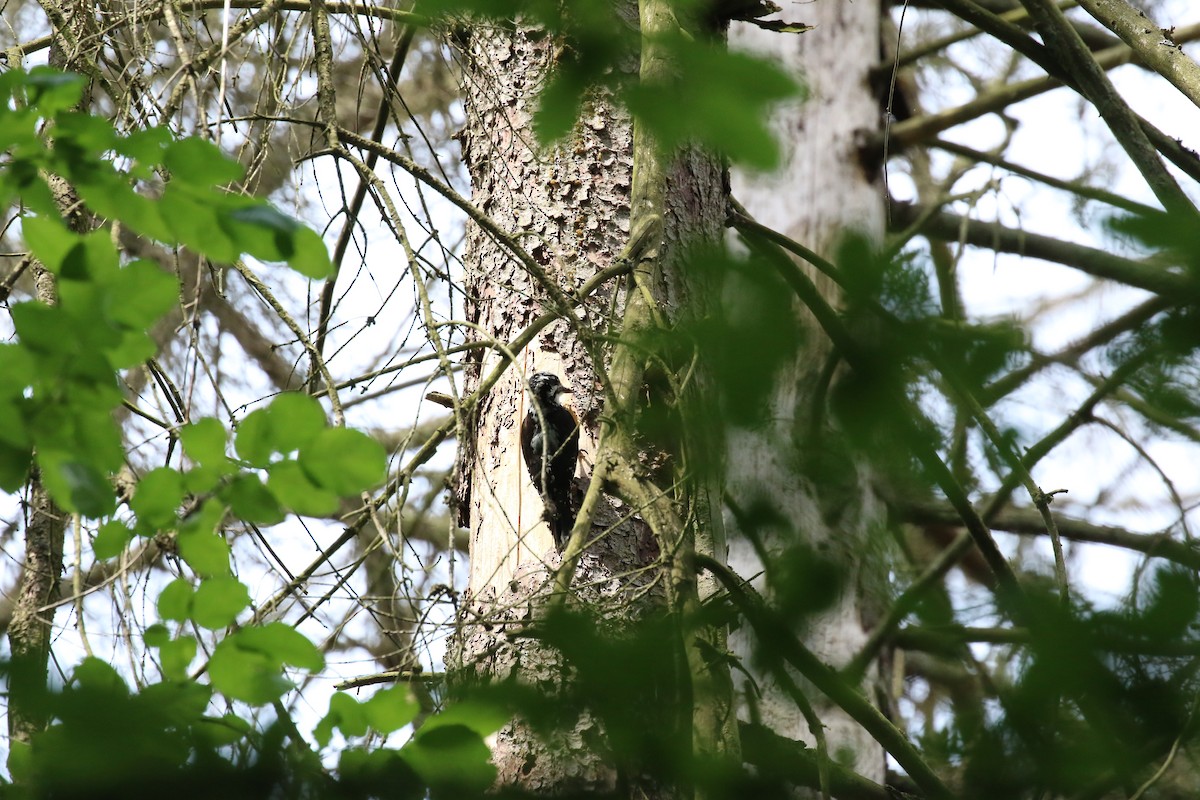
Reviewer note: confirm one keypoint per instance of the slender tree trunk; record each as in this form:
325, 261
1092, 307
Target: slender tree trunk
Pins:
29, 633
822, 190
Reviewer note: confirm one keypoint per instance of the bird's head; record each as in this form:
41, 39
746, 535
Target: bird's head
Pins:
546, 387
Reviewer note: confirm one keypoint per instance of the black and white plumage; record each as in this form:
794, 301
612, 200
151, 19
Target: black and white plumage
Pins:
550, 445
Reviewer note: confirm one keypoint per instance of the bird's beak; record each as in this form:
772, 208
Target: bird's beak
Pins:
564, 390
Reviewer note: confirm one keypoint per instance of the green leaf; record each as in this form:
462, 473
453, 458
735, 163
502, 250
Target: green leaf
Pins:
175, 600
283, 643
295, 420
246, 665
181, 704
479, 715
391, 709
156, 635
140, 294
345, 714
309, 256
49, 239
13, 429
78, 486
90, 134
287, 481
206, 477
158, 496
93, 258
559, 104
344, 461
111, 539
386, 711
218, 601
51, 90
19, 369
205, 550
200, 163
204, 441
262, 231
290, 422
92, 673
147, 146
176, 656
721, 99
451, 757
42, 328
20, 761
224, 730
251, 501
193, 217
14, 466
245, 675
253, 441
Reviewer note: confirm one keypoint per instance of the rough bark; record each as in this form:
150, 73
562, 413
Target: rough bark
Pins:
821, 190
29, 631
570, 206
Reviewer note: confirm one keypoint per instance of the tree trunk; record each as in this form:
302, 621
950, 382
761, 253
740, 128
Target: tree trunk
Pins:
822, 189
569, 206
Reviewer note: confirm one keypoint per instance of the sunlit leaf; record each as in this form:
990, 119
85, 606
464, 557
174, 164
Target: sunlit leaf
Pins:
344, 461
218, 601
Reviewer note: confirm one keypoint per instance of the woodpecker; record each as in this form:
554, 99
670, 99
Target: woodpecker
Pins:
550, 444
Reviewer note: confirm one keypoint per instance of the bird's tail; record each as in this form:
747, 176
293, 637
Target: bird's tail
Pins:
561, 527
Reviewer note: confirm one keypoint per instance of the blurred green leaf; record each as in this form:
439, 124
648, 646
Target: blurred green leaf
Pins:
224, 730
77, 485
200, 544
295, 420
200, 163
156, 635
204, 441
451, 758
250, 500
289, 423
289, 483
344, 461
720, 98
247, 664
141, 293
51, 90
14, 466
391, 709
176, 655
254, 439
49, 239
111, 539
157, 498
218, 601
282, 643
175, 600
194, 218
345, 714
246, 675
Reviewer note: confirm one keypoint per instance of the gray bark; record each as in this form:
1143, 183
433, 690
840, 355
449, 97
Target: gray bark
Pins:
570, 206
821, 190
